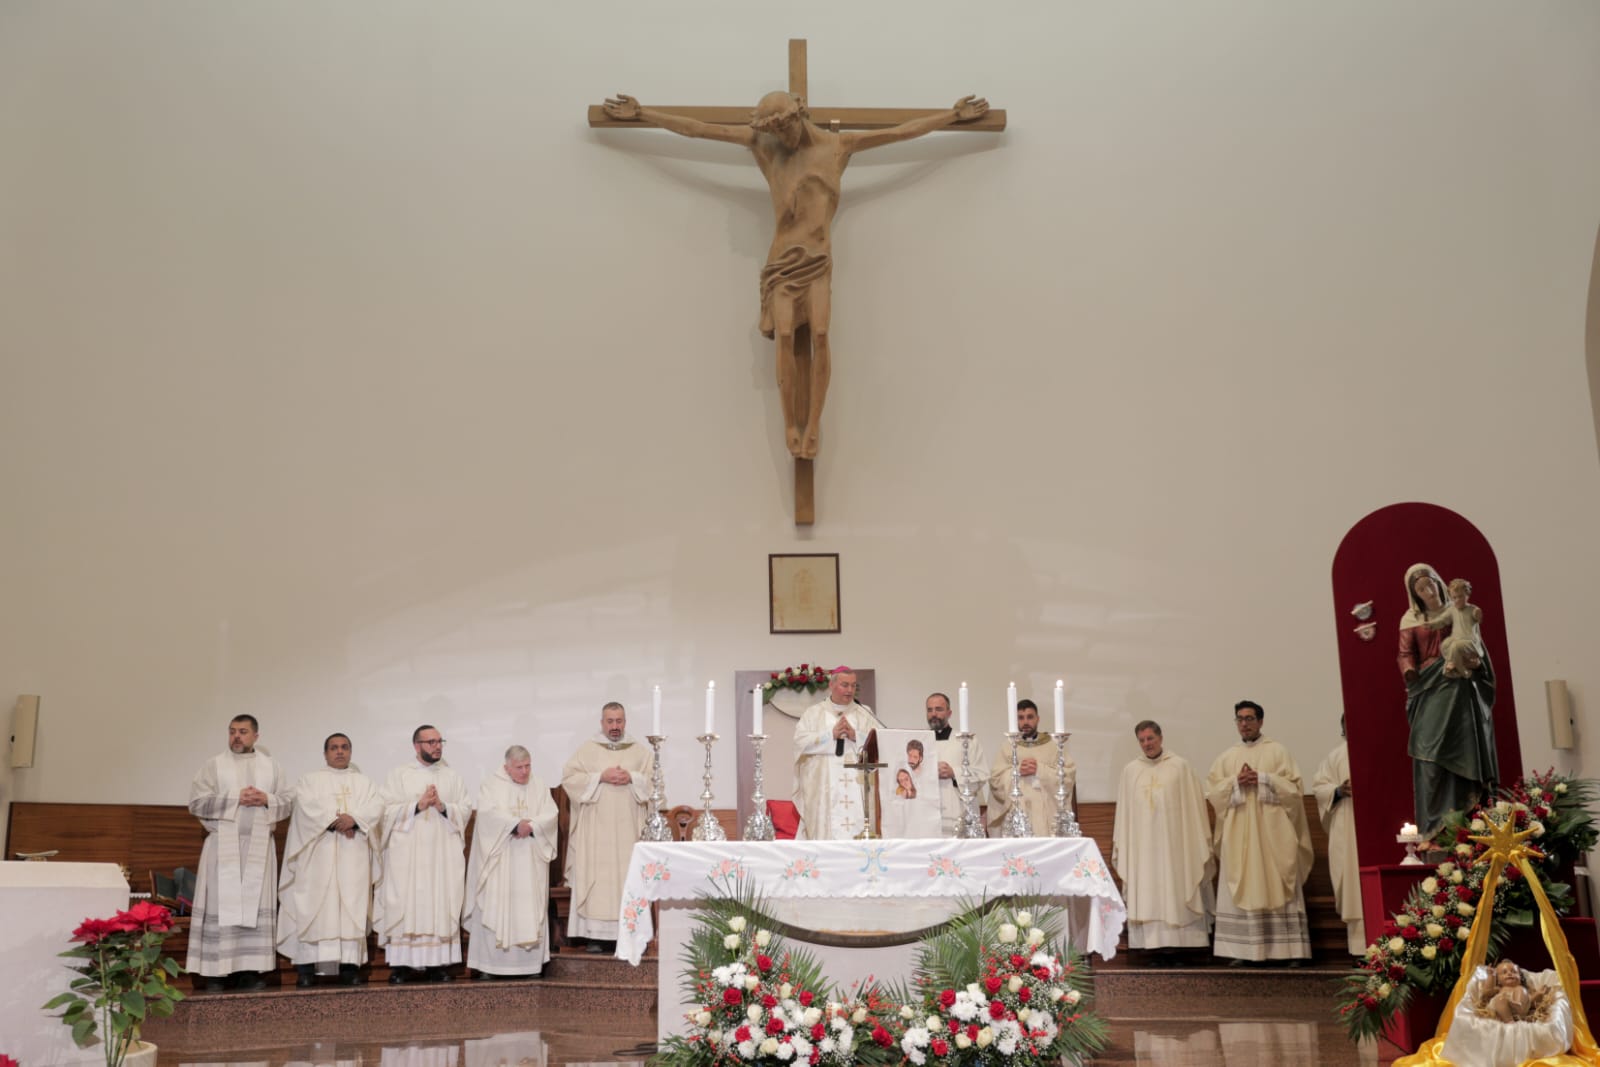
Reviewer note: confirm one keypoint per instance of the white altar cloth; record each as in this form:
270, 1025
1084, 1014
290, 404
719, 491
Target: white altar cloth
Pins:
1070, 870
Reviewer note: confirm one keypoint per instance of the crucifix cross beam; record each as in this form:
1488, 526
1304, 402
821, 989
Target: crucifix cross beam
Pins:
802, 152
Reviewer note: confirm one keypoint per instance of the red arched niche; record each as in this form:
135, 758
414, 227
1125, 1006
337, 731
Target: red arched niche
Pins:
1370, 565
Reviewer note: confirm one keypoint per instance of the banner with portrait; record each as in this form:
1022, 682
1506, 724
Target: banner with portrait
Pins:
908, 785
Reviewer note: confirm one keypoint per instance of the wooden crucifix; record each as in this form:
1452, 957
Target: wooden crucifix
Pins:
802, 153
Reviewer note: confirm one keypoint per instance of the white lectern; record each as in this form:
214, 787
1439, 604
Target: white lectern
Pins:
43, 903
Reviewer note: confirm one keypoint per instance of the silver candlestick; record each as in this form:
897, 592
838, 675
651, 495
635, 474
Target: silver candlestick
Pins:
971, 824
656, 827
758, 827
708, 828
1066, 821
1016, 823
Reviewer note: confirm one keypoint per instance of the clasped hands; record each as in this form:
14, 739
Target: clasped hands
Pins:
430, 799
1248, 778
615, 776
843, 729
251, 797
344, 824
524, 829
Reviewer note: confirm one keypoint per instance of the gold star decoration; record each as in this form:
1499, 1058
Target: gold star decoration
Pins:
1504, 840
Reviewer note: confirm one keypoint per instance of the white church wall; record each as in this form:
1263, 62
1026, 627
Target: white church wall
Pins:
351, 381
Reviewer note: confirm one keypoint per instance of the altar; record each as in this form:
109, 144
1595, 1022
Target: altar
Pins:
860, 905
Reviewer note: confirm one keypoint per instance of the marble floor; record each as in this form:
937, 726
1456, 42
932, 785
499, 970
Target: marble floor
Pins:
621, 1040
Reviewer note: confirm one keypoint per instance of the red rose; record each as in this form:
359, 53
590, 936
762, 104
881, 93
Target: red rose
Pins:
992, 983
940, 1046
1017, 961
1409, 933
1466, 893
1390, 929
997, 1010
881, 1036
742, 1034
769, 1001
1513, 872
955, 1026
816, 1056
1370, 1002
947, 998
1452, 921
774, 1027
731, 996
774, 676
804, 667
1025, 994
1441, 897
1463, 835
1446, 945
972, 1031
763, 963
806, 998
1396, 972
818, 1032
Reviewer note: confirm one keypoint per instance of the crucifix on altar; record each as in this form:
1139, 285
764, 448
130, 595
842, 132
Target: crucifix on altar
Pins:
802, 152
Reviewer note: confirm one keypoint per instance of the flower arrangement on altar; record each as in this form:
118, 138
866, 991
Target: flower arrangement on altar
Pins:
1419, 948
758, 1001
991, 987
805, 678
123, 978
997, 985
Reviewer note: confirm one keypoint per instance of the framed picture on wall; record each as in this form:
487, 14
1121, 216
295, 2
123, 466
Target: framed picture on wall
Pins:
803, 593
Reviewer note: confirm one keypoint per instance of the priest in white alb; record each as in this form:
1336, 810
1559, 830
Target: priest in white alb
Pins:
325, 894
416, 905
508, 876
830, 735
1263, 847
947, 750
1161, 848
1036, 763
237, 795
1338, 815
608, 785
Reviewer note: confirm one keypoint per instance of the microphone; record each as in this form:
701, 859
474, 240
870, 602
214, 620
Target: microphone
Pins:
838, 744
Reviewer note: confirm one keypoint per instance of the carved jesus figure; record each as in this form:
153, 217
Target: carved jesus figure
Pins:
803, 165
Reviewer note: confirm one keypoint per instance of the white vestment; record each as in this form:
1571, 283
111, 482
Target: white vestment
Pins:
235, 897
605, 823
827, 795
325, 895
416, 905
1038, 789
949, 751
508, 877
1161, 849
1264, 852
1339, 819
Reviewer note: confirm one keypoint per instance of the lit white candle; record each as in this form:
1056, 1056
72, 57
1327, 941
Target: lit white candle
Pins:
655, 712
963, 700
711, 707
1408, 829
1011, 708
755, 710
1061, 706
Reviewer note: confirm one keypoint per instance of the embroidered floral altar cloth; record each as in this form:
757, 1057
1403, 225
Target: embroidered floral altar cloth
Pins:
1070, 870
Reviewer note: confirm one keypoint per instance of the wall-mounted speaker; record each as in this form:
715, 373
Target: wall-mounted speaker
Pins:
24, 727
1559, 701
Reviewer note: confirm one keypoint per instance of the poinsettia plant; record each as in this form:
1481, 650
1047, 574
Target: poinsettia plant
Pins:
806, 678
1419, 948
997, 986
123, 978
